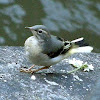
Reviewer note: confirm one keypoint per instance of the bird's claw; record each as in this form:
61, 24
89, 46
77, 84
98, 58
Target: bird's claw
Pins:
26, 70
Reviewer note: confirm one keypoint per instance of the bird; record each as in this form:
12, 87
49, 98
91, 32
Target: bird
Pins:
45, 49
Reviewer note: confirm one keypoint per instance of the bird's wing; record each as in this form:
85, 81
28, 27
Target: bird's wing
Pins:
60, 50
68, 45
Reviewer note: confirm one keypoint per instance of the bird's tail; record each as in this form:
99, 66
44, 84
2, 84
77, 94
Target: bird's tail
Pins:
79, 46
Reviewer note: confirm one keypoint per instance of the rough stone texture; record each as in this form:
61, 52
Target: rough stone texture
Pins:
52, 84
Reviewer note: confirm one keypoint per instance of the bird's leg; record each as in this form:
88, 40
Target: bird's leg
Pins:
29, 70
46, 67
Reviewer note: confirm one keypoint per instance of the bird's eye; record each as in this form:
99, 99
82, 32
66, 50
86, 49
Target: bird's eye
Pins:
40, 31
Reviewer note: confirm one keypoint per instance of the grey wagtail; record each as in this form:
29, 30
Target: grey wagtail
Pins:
44, 49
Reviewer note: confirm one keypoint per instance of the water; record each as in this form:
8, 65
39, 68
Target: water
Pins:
64, 18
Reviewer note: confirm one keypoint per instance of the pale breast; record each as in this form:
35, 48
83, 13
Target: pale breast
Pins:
33, 51
31, 46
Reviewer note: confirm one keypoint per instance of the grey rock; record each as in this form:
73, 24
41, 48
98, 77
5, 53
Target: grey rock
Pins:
52, 84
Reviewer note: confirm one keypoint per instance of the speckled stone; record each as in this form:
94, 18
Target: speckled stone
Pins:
52, 84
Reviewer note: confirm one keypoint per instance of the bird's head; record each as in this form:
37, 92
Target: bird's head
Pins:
39, 31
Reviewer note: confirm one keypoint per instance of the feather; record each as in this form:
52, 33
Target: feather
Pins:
85, 49
79, 46
61, 50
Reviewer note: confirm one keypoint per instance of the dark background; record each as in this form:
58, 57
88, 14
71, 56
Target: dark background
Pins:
68, 19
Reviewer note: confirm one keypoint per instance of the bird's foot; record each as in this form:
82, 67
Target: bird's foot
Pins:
27, 70
30, 70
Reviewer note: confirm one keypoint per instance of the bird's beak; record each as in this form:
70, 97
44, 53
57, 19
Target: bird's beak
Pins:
27, 27
32, 30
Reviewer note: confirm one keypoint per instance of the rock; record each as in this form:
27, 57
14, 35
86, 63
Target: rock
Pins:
52, 84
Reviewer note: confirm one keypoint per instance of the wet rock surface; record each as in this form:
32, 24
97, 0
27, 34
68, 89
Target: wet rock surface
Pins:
52, 84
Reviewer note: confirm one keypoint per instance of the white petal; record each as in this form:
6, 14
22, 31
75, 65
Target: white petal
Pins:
91, 67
